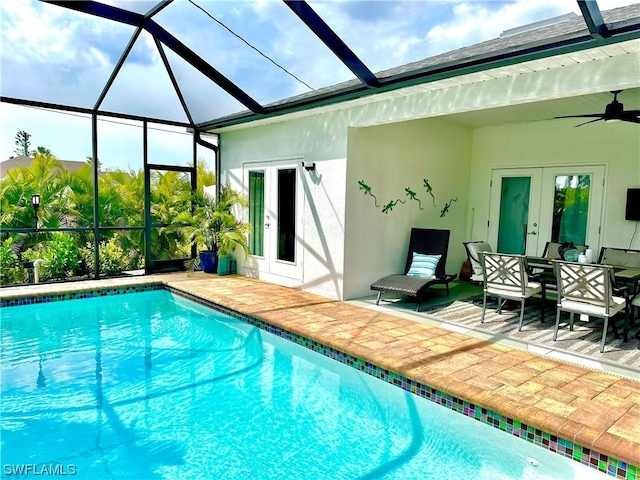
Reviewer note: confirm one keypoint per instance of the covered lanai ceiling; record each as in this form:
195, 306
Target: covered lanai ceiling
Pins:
212, 64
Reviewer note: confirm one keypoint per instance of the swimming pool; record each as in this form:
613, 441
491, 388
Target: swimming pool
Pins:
151, 385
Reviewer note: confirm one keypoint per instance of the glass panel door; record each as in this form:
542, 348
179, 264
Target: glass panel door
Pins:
515, 210
256, 212
570, 209
530, 207
275, 208
572, 203
514, 214
286, 214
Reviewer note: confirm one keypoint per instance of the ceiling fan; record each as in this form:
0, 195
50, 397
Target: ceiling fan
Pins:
613, 111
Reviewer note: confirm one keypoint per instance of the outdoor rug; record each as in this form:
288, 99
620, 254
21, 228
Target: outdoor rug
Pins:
584, 340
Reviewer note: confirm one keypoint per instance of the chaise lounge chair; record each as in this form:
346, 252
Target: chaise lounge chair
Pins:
424, 268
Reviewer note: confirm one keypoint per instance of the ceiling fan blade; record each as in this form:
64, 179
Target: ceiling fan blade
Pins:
631, 116
599, 115
614, 111
590, 121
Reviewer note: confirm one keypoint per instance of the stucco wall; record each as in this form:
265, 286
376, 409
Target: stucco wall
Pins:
386, 141
557, 142
321, 139
390, 158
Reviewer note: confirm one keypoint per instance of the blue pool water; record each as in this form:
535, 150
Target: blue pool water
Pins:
151, 385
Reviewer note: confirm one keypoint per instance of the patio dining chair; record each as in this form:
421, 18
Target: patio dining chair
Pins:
619, 257
424, 268
587, 290
635, 306
506, 277
472, 249
548, 277
551, 250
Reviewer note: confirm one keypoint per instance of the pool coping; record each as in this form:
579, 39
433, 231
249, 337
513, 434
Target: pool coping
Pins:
605, 451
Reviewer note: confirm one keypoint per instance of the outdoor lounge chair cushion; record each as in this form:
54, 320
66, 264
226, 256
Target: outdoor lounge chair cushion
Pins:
423, 265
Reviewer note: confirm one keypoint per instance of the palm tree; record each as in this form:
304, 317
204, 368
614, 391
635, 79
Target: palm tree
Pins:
46, 177
170, 197
45, 152
213, 226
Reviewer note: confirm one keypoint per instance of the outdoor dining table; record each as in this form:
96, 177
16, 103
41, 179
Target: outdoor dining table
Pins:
541, 269
628, 278
624, 276
540, 262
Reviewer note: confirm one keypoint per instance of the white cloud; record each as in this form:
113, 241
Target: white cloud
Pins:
62, 56
473, 22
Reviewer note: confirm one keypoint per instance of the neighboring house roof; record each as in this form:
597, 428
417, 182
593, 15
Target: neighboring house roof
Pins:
22, 161
566, 31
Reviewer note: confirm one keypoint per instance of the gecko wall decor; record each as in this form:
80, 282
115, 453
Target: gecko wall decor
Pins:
411, 195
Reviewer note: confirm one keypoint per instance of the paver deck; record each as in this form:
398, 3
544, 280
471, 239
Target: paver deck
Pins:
597, 410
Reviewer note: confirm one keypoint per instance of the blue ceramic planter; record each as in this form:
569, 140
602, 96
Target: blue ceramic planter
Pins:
209, 261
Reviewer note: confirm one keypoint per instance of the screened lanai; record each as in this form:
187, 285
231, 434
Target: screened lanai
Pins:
167, 73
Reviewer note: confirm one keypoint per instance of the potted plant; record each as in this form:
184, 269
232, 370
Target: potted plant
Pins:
213, 226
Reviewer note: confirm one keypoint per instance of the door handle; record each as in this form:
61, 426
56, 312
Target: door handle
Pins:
532, 233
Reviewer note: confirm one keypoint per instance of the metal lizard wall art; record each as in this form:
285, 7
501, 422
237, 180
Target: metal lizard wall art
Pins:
429, 190
409, 193
367, 191
412, 196
445, 210
389, 206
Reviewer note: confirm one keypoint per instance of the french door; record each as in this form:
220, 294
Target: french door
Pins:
275, 213
530, 207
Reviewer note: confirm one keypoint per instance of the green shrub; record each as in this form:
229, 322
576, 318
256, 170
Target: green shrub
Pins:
112, 257
11, 271
60, 254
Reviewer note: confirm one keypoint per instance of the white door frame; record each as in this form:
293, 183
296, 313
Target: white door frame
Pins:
541, 203
269, 263
533, 221
596, 199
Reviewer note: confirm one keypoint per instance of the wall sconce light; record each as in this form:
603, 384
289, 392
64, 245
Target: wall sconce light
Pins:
309, 167
35, 203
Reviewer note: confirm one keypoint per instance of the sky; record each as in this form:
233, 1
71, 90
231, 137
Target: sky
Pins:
52, 54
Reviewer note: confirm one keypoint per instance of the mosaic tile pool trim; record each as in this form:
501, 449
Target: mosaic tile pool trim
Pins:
586, 456
74, 295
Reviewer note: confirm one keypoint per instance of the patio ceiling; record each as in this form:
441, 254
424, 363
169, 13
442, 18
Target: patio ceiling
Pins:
212, 64
545, 110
